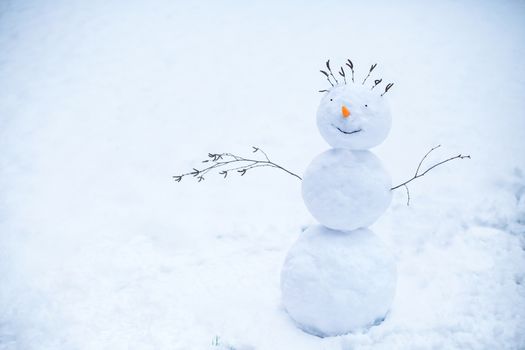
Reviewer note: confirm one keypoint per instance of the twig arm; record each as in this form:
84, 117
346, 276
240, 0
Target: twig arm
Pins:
229, 162
417, 174
459, 156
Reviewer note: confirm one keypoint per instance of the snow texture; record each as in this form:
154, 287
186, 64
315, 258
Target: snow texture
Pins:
334, 281
102, 101
368, 123
345, 189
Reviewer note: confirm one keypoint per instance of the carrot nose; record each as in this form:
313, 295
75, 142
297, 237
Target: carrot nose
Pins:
345, 111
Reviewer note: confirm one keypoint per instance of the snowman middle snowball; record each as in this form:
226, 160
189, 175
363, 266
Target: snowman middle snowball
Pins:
346, 190
347, 187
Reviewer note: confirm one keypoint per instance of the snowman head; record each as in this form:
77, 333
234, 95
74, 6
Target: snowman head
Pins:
353, 115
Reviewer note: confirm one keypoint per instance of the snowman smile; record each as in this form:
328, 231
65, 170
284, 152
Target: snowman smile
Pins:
346, 132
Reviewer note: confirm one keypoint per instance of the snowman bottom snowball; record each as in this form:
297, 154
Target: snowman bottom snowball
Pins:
335, 282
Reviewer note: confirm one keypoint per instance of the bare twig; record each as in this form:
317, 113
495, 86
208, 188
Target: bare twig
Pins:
388, 86
227, 163
327, 77
369, 72
342, 73
424, 157
330, 70
417, 174
408, 195
255, 149
376, 82
351, 66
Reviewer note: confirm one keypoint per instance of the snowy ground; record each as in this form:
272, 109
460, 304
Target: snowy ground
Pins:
101, 102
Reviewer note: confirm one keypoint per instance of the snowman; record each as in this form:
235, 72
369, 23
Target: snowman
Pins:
339, 277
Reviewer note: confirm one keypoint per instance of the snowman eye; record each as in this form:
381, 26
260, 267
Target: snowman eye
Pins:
366, 105
331, 99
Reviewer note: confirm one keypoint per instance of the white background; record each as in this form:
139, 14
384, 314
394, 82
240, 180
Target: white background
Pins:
101, 102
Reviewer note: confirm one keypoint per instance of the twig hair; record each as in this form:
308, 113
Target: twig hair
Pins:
333, 80
388, 86
370, 71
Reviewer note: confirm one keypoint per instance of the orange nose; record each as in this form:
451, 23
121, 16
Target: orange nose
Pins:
345, 111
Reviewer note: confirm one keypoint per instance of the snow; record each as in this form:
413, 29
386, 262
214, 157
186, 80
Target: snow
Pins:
345, 189
337, 282
102, 101
368, 123
334, 282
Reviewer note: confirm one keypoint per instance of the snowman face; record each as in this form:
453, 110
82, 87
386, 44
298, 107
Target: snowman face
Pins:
353, 117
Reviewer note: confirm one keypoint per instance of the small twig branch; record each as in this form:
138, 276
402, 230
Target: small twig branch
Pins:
376, 82
424, 157
388, 86
260, 150
343, 74
417, 174
330, 70
327, 78
351, 66
369, 72
408, 195
229, 162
